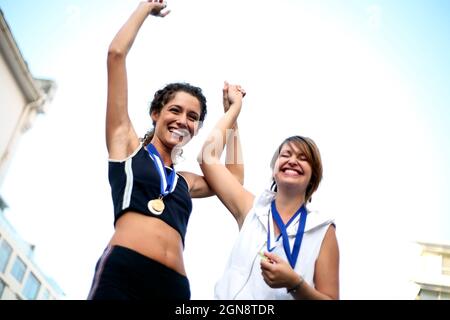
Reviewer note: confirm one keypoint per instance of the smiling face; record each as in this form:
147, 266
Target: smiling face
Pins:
178, 120
292, 168
297, 166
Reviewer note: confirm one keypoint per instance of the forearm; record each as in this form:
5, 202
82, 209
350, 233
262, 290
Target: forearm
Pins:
234, 158
215, 143
303, 291
124, 39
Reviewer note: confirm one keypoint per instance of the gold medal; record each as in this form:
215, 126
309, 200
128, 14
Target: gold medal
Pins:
156, 206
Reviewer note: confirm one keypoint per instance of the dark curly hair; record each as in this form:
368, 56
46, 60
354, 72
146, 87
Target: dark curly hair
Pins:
166, 94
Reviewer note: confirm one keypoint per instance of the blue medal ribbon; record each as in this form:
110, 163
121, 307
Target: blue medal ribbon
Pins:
167, 183
291, 255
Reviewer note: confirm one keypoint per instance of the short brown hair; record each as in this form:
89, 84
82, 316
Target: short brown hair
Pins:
311, 151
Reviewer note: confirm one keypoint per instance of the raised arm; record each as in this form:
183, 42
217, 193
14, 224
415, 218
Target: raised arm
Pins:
221, 180
233, 159
121, 139
199, 188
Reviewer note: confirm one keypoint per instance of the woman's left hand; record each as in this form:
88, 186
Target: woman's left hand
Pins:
277, 273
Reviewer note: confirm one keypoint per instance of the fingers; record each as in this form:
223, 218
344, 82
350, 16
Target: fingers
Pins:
159, 5
241, 90
269, 271
226, 102
163, 14
237, 88
225, 91
267, 264
266, 279
273, 257
231, 93
269, 278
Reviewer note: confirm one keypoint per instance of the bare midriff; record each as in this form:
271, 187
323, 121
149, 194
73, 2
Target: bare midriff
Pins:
150, 237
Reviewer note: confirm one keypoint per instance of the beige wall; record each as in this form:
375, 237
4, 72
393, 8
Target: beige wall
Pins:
433, 276
12, 104
12, 107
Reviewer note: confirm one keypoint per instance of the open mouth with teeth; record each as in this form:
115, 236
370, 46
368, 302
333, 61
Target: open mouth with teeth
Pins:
292, 171
179, 133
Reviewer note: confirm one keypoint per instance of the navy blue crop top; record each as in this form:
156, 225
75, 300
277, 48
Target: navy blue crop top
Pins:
135, 181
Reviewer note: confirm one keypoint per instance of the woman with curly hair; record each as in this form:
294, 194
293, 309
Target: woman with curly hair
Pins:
152, 201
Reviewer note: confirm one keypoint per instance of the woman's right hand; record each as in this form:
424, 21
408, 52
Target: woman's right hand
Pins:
156, 7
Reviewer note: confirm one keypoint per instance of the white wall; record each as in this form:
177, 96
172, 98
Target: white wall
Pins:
12, 104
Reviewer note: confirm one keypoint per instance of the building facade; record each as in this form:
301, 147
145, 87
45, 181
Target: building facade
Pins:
433, 276
22, 98
20, 277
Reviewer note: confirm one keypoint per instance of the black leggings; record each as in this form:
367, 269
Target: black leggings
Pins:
124, 274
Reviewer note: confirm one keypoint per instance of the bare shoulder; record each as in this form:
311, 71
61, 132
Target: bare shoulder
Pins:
329, 248
330, 240
331, 232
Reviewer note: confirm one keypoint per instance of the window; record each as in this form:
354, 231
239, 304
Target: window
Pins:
2, 288
5, 253
18, 269
31, 288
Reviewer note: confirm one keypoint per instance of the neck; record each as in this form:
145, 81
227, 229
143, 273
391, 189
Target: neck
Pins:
164, 151
288, 204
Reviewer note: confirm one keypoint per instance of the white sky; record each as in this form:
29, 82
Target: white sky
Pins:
307, 70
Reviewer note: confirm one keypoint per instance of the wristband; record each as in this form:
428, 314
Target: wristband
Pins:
296, 287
